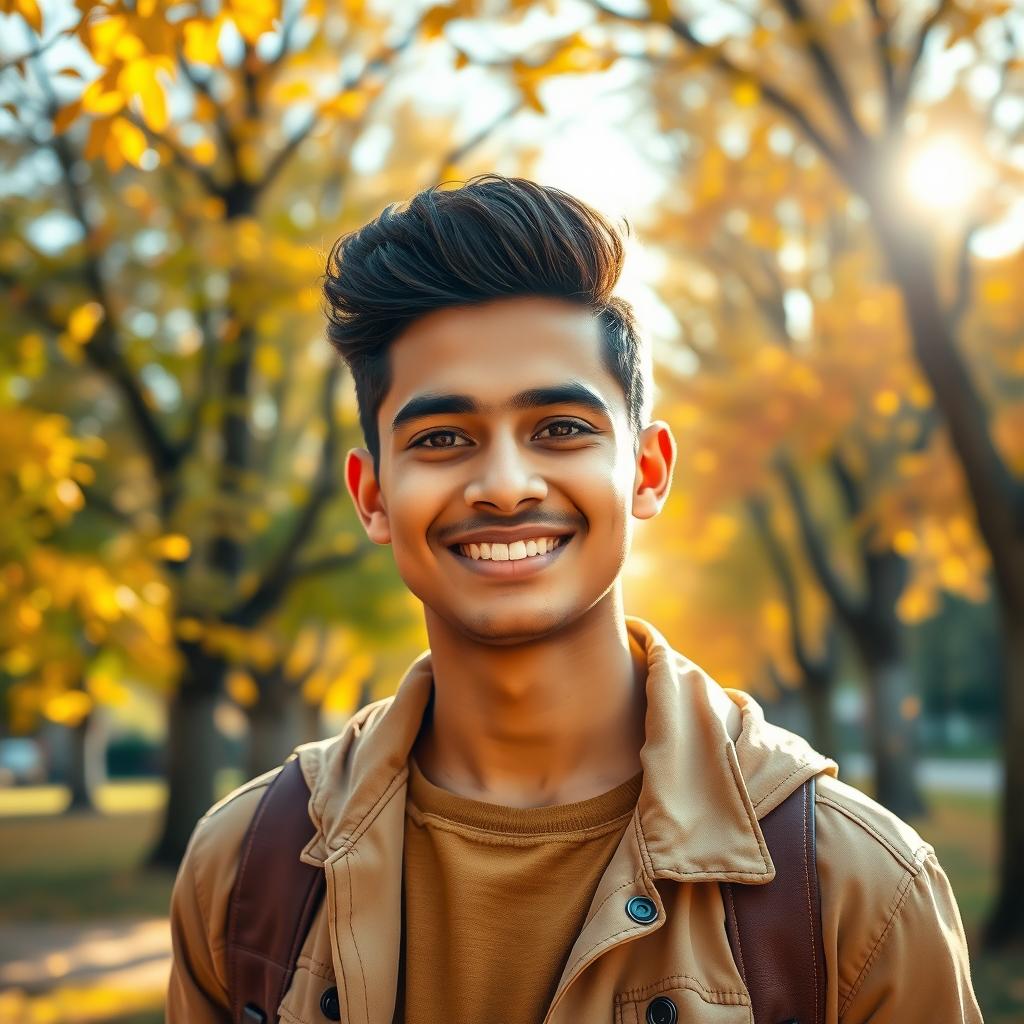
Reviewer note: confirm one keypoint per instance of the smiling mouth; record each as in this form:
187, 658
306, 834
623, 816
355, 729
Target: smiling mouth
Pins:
518, 551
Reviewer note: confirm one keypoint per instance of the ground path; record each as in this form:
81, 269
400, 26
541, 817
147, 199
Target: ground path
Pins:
81, 973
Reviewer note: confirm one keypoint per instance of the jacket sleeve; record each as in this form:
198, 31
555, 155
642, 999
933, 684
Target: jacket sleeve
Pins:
918, 968
197, 993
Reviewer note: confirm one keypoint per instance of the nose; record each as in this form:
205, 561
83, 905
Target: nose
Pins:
505, 477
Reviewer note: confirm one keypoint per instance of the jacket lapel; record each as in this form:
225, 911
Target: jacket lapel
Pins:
712, 767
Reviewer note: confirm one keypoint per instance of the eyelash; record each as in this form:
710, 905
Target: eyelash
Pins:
554, 423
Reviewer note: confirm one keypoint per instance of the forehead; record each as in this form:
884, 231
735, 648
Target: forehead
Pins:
496, 349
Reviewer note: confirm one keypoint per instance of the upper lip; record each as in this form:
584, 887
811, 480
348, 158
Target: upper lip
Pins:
496, 535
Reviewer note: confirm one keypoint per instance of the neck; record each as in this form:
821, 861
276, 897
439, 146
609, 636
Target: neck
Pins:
552, 721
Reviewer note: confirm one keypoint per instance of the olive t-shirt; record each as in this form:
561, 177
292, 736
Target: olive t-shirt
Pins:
494, 897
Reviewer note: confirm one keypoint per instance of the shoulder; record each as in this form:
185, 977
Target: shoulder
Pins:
855, 832
869, 863
218, 834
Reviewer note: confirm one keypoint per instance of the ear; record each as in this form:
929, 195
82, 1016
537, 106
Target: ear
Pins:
366, 495
655, 461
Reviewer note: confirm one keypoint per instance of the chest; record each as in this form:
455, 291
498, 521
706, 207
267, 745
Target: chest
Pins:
678, 968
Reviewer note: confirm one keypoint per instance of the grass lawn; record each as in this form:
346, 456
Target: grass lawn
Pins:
84, 867
81, 866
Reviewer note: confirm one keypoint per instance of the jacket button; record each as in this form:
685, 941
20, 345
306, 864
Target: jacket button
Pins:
329, 1005
661, 1011
642, 910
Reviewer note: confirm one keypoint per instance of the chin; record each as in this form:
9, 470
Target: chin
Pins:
508, 628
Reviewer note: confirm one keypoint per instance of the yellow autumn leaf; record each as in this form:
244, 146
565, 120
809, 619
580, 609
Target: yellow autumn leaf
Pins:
916, 604
204, 152
68, 708
112, 155
746, 93
997, 289
66, 116
242, 688
83, 321
905, 543
268, 362
254, 17
886, 402
29, 10
350, 103
174, 547
660, 10
433, 22
139, 79
201, 38
343, 690
130, 140
289, 92
105, 689
98, 99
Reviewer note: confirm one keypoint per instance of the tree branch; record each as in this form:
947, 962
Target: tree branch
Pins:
779, 100
814, 544
461, 151
826, 69
181, 158
903, 89
227, 138
758, 512
280, 573
883, 49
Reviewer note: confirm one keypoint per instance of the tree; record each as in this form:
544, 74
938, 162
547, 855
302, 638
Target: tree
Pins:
844, 76
190, 294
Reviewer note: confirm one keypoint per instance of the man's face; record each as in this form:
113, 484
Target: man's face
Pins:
503, 428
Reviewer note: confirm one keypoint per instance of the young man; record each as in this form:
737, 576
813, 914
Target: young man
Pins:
535, 827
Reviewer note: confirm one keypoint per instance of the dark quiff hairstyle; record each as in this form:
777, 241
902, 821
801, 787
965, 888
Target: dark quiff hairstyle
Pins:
493, 237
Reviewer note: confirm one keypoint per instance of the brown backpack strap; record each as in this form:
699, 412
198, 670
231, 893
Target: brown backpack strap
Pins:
274, 900
775, 929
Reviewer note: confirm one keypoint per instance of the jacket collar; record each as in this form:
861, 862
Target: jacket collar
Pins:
712, 767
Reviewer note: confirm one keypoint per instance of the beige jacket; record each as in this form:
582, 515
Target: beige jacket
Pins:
894, 942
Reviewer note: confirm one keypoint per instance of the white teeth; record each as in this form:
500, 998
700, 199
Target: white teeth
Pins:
513, 552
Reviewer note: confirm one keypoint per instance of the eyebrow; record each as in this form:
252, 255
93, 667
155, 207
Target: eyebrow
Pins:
434, 404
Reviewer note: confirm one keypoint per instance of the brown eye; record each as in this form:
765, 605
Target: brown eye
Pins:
447, 440
563, 428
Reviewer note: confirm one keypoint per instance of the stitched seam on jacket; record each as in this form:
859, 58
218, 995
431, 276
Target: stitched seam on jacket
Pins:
315, 966
913, 866
333, 919
730, 909
901, 899
645, 853
352, 932
810, 911
643, 991
583, 956
286, 1015
796, 771
367, 820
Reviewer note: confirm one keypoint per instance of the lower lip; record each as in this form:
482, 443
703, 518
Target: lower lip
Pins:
522, 567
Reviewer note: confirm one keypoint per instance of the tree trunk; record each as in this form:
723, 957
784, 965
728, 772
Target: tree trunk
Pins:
194, 752
893, 738
817, 693
278, 723
86, 762
1005, 925
998, 504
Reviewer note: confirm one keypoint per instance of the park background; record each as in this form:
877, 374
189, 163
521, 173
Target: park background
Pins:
826, 200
